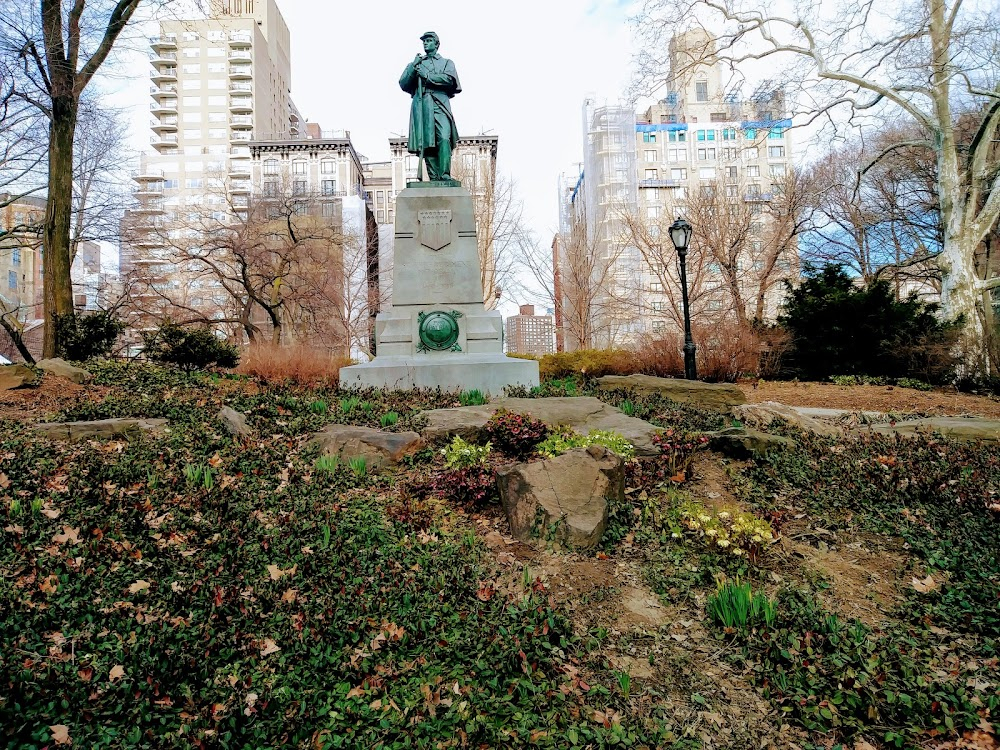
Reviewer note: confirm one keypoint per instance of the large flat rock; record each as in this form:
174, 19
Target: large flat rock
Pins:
16, 376
377, 447
101, 428
715, 396
62, 368
582, 413
956, 428
762, 415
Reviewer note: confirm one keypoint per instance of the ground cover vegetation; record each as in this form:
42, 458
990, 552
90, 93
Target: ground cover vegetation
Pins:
199, 590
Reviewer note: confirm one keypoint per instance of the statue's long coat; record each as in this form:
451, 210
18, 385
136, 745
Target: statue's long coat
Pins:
440, 85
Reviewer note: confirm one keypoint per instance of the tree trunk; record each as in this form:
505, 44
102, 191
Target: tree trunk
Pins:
58, 285
960, 296
15, 336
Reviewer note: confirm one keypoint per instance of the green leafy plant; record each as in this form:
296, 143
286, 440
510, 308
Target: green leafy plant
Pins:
566, 439
199, 474
319, 407
388, 419
624, 682
367, 407
347, 405
459, 454
474, 397
734, 605
188, 348
733, 532
677, 454
627, 408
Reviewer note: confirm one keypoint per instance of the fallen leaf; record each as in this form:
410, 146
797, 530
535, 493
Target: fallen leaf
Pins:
4, 482
289, 595
863, 745
925, 586
60, 734
49, 584
85, 674
215, 460
68, 535
679, 477
277, 573
269, 647
355, 692
138, 586
14, 529
52, 513
116, 673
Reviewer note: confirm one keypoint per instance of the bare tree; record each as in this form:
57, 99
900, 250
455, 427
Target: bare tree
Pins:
283, 264
859, 65
60, 46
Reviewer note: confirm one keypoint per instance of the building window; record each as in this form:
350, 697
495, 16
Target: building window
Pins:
651, 156
714, 305
775, 152
192, 70
751, 154
270, 188
706, 173
729, 134
271, 166
706, 154
649, 137
732, 191
776, 133
777, 170
12, 280
329, 210
299, 166
677, 136
659, 325
752, 170
652, 212
299, 187
651, 194
678, 173
750, 134
677, 154
651, 174
193, 182
328, 166
655, 286
15, 257
329, 187
701, 91
657, 306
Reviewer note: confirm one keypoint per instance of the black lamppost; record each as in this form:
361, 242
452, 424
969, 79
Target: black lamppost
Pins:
680, 235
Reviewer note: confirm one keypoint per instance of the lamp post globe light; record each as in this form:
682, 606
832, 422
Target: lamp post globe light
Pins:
680, 235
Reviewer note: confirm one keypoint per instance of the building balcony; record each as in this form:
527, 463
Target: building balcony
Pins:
168, 140
239, 169
240, 72
240, 187
758, 197
148, 190
240, 55
243, 87
150, 241
237, 38
241, 121
166, 89
164, 125
148, 173
164, 42
164, 107
658, 183
241, 104
241, 135
150, 208
165, 73
160, 57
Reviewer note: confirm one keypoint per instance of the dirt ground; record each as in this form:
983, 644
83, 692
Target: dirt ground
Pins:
878, 398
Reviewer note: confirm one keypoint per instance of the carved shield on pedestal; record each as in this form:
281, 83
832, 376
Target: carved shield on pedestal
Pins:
434, 228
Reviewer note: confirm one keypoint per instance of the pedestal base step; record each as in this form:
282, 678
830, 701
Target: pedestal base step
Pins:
489, 373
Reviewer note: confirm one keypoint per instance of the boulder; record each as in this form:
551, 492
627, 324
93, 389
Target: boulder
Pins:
737, 442
763, 414
957, 428
714, 396
234, 422
15, 376
101, 428
583, 414
64, 369
377, 447
563, 500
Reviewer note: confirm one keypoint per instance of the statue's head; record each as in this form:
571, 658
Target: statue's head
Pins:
431, 42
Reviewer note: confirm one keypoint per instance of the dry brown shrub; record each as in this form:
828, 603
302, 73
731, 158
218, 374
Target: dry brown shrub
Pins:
295, 365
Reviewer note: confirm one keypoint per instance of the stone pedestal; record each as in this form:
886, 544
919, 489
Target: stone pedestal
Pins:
438, 331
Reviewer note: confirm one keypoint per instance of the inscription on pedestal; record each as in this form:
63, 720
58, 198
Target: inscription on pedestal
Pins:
435, 228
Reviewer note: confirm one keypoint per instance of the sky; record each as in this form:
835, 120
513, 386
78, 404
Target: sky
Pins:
525, 67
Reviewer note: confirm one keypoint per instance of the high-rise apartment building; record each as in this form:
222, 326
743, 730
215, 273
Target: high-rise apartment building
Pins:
527, 333
704, 152
216, 84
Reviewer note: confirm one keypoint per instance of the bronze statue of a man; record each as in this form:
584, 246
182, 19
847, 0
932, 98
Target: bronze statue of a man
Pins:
432, 81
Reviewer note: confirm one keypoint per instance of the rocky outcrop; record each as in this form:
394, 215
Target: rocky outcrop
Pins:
101, 428
64, 369
740, 443
234, 422
762, 415
714, 396
583, 414
16, 376
377, 447
563, 500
